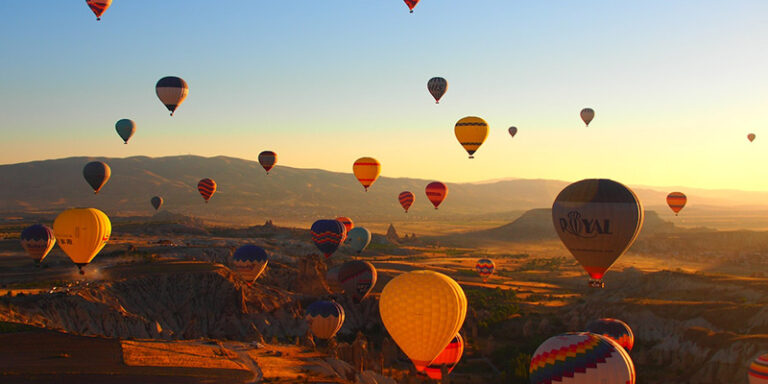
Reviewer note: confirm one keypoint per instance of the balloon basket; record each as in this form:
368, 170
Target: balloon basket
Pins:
596, 283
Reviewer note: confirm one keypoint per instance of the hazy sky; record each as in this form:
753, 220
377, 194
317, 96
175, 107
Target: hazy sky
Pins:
676, 85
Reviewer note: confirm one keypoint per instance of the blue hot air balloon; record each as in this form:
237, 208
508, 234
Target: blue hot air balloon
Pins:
37, 240
325, 318
327, 235
359, 238
249, 261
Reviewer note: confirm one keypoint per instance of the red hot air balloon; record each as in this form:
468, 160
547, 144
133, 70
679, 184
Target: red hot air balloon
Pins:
98, 7
207, 188
676, 201
406, 199
449, 357
411, 4
267, 159
348, 223
436, 192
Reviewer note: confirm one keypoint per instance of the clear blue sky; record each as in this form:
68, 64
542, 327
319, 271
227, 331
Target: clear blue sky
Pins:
677, 85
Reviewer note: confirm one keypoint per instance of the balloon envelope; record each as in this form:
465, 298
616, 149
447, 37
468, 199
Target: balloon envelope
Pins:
614, 329
512, 131
411, 4
581, 358
325, 318
172, 91
98, 7
82, 233
206, 187
125, 129
758, 370
676, 201
97, 174
422, 311
37, 240
328, 235
359, 238
436, 192
356, 279
249, 261
471, 132
347, 222
366, 170
587, 114
450, 357
751, 137
485, 268
597, 220
406, 199
267, 159
156, 202
437, 87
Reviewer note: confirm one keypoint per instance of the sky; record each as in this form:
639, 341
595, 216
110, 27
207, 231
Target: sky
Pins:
676, 85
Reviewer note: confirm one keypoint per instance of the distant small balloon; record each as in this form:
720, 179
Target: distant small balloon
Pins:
411, 4
249, 261
206, 187
485, 268
436, 192
37, 240
471, 131
366, 170
97, 174
157, 202
587, 114
437, 87
751, 137
325, 318
267, 159
406, 199
98, 7
172, 91
512, 131
676, 201
125, 128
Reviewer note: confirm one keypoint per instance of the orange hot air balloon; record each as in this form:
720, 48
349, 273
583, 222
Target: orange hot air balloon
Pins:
597, 220
436, 192
206, 187
676, 201
471, 131
367, 170
751, 137
406, 199
348, 223
98, 7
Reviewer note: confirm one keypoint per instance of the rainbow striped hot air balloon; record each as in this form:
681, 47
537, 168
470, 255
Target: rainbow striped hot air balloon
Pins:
485, 268
436, 192
366, 170
406, 199
615, 330
328, 235
450, 357
206, 187
581, 358
758, 370
676, 201
267, 159
325, 318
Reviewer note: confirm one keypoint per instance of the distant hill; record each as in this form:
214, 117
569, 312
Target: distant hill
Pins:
247, 195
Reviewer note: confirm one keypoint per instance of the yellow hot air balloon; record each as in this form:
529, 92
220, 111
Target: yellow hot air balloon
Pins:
471, 132
422, 311
367, 170
82, 233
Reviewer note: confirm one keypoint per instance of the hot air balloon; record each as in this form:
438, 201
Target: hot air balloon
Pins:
676, 201
325, 318
758, 370
327, 235
437, 87
411, 4
471, 132
172, 91
249, 261
597, 220
97, 174
356, 279
485, 268
406, 199
359, 238
206, 187
125, 129
422, 311
615, 330
449, 357
436, 192
157, 202
581, 358
98, 7
751, 137
348, 223
587, 114
82, 233
267, 159
37, 240
367, 170
512, 131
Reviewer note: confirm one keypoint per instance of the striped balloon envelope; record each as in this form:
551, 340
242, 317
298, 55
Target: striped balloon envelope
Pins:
366, 170
436, 192
615, 330
406, 199
485, 268
328, 235
348, 223
172, 91
581, 358
437, 87
249, 261
37, 240
411, 4
267, 159
676, 201
98, 7
206, 187
450, 357
356, 279
325, 318
587, 114
758, 370
97, 174
471, 131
